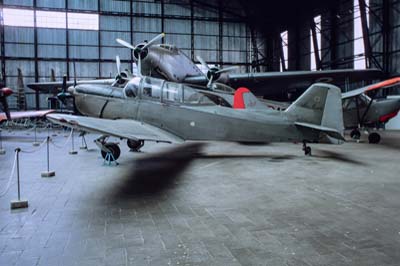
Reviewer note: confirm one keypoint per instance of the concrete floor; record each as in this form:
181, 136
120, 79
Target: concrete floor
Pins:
229, 205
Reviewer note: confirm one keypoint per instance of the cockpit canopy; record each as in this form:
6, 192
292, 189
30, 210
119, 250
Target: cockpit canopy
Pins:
160, 90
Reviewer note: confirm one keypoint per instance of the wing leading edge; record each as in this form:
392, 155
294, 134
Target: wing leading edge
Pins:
121, 128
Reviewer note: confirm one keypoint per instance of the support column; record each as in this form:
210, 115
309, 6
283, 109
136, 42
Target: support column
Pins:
192, 56
67, 40
385, 36
220, 34
364, 25
162, 19
2, 47
35, 44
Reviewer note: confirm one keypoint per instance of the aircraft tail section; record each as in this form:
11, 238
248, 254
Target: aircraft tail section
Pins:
319, 108
244, 99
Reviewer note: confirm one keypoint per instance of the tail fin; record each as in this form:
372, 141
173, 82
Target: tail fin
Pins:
320, 108
244, 99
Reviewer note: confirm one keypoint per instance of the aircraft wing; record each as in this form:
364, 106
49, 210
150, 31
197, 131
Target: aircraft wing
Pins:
272, 82
25, 114
55, 87
121, 128
376, 86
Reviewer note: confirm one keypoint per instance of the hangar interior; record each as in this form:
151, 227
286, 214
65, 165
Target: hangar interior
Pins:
214, 200
44, 39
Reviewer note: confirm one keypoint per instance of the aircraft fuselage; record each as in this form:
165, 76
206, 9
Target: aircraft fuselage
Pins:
190, 121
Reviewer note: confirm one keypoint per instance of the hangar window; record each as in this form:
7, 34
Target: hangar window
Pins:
83, 21
359, 48
317, 48
50, 19
18, 17
284, 59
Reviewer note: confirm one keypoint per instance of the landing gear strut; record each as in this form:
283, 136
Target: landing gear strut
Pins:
110, 151
306, 149
135, 145
355, 134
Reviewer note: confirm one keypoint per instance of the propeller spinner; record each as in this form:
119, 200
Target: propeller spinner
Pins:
140, 51
214, 73
4, 93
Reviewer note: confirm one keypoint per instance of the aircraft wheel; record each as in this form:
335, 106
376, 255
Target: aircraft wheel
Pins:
355, 134
115, 151
374, 138
135, 145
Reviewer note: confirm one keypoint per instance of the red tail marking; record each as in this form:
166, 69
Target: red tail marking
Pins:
238, 100
387, 117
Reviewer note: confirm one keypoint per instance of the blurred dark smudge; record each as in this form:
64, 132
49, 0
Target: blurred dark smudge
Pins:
157, 172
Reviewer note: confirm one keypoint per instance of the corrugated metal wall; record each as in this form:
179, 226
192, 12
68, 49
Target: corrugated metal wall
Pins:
197, 31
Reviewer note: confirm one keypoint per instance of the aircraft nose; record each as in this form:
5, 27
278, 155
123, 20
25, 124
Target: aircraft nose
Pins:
7, 91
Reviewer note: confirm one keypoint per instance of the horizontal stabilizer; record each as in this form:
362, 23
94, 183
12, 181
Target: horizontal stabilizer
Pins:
327, 130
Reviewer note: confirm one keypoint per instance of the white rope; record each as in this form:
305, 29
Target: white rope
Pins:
66, 142
37, 149
10, 178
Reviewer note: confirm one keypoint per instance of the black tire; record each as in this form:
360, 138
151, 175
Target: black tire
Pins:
135, 145
374, 138
307, 150
355, 134
115, 150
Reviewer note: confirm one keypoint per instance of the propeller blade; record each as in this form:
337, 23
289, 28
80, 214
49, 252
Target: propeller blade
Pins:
150, 43
227, 69
126, 44
118, 60
202, 62
210, 81
139, 67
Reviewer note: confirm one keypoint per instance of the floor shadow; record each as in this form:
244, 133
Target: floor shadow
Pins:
335, 156
154, 173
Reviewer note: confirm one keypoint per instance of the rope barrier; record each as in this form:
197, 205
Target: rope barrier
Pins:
37, 149
66, 142
10, 178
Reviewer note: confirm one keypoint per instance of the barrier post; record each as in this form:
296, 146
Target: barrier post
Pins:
2, 151
72, 151
18, 204
35, 143
48, 173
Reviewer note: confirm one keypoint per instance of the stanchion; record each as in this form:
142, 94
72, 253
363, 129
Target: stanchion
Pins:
72, 151
48, 173
18, 204
35, 143
83, 144
2, 151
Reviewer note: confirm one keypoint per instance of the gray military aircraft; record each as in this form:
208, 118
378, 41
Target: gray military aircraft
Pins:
363, 112
152, 109
360, 111
168, 62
